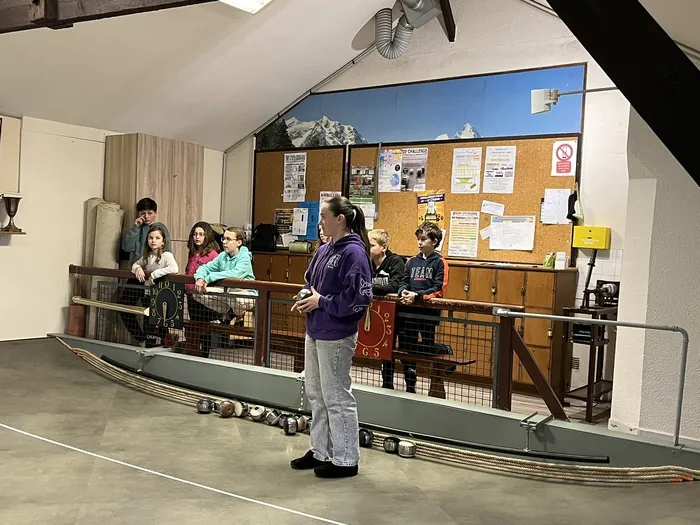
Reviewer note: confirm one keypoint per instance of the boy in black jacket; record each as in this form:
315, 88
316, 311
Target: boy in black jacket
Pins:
387, 271
425, 277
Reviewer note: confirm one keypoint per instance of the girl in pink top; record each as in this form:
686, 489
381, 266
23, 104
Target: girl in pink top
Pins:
203, 249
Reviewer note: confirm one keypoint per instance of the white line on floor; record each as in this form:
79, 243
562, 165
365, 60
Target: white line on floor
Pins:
173, 478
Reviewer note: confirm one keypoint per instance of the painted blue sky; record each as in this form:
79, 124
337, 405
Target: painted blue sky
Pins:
497, 105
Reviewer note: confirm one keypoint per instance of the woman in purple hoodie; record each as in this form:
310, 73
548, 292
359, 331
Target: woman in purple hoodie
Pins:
340, 281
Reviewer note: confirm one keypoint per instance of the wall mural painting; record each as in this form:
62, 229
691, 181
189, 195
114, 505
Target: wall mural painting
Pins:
487, 106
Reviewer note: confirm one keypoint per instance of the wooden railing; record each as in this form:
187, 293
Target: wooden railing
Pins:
508, 340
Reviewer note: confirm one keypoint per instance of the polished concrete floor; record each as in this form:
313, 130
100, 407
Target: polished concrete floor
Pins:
46, 391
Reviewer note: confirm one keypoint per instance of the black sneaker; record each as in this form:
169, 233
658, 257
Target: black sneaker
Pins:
335, 471
307, 462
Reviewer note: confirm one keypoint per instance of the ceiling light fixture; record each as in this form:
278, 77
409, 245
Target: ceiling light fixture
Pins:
249, 6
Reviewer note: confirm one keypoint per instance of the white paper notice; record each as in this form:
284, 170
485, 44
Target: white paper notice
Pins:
493, 208
555, 207
294, 177
466, 170
464, 234
438, 248
485, 233
499, 171
512, 233
414, 163
300, 221
369, 211
564, 158
328, 195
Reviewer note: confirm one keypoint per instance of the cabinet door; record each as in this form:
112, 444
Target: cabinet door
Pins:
153, 176
297, 268
481, 286
456, 283
541, 356
261, 266
279, 268
187, 177
538, 332
510, 287
180, 251
539, 289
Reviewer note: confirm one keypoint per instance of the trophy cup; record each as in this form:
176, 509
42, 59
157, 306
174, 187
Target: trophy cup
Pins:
11, 201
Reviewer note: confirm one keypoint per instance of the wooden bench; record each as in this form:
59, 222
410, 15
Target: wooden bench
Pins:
436, 367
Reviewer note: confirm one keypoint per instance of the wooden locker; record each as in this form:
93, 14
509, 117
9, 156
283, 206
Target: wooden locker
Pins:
456, 283
279, 268
510, 287
481, 285
180, 251
153, 178
298, 265
538, 332
542, 358
539, 290
261, 266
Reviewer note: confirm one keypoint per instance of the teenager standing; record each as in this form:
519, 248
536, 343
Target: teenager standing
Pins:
340, 281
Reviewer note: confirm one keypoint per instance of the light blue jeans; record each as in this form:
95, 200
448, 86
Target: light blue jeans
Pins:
334, 429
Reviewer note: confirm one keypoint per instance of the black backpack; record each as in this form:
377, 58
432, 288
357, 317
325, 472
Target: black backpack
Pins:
265, 238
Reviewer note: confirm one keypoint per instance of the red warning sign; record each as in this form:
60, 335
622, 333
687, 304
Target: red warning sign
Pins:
564, 158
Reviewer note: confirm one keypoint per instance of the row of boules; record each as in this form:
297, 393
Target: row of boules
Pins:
392, 445
290, 423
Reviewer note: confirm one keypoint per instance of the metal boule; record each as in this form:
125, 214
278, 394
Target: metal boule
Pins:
303, 294
407, 449
257, 413
366, 438
302, 423
205, 406
240, 409
391, 445
290, 426
273, 417
224, 409
282, 418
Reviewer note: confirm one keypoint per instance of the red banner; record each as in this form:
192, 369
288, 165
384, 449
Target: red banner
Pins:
376, 331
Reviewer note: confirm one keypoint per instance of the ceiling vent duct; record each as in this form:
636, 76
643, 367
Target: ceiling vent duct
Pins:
416, 13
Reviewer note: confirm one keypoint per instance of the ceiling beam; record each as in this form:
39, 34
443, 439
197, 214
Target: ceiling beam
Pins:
448, 20
22, 15
651, 71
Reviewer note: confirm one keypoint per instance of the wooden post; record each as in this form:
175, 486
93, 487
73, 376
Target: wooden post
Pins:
544, 389
504, 373
262, 327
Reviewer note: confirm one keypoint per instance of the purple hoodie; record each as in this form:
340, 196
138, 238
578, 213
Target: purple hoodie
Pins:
340, 273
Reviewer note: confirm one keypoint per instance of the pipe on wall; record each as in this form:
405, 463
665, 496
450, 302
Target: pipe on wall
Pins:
388, 45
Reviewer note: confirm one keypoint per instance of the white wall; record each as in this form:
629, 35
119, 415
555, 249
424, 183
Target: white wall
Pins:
61, 167
238, 185
10, 130
661, 267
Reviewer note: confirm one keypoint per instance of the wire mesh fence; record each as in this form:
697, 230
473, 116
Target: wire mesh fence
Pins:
443, 354
216, 325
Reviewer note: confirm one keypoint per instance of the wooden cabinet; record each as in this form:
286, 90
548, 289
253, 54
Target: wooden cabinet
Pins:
169, 171
281, 267
539, 290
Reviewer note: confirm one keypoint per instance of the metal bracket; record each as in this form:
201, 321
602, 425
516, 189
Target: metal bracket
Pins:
533, 426
150, 354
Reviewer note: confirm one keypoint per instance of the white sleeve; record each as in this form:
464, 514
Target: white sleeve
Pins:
169, 266
138, 264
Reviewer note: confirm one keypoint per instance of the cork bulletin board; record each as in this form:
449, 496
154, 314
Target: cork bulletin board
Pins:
397, 212
324, 172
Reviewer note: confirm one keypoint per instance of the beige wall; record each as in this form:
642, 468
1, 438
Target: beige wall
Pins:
238, 185
10, 131
61, 167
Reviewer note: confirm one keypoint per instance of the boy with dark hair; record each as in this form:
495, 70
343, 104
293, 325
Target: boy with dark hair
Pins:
133, 245
425, 277
135, 238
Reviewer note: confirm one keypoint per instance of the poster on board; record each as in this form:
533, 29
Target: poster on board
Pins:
466, 170
294, 177
564, 158
499, 169
389, 170
464, 234
414, 162
431, 207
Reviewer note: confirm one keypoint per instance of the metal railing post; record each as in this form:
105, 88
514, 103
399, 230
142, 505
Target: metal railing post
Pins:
505, 312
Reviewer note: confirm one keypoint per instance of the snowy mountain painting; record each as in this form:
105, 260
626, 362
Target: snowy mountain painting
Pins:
484, 107
322, 132
467, 132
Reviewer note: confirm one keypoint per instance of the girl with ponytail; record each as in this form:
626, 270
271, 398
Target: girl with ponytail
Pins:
340, 280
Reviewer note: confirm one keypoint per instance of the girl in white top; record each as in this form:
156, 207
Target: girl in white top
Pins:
155, 262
